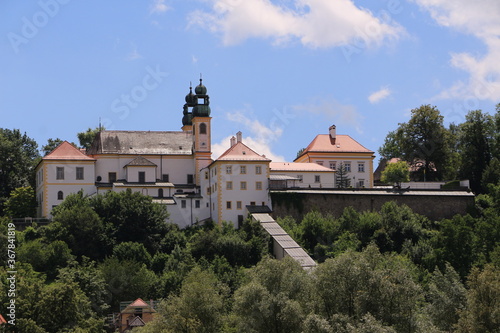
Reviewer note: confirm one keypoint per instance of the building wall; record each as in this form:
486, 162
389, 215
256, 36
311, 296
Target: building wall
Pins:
49, 186
353, 158
435, 207
327, 179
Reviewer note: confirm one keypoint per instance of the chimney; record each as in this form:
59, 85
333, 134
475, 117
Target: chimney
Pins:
333, 132
238, 136
233, 141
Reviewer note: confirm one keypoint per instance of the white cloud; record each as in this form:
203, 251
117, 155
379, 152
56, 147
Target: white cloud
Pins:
315, 23
334, 112
259, 136
481, 19
158, 6
134, 55
379, 95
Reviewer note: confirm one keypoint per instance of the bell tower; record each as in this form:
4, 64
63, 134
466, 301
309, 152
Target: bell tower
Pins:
201, 128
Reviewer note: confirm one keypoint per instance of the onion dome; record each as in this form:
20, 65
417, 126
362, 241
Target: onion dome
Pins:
191, 98
201, 110
200, 89
187, 119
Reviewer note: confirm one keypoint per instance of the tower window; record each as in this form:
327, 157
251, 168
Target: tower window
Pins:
203, 128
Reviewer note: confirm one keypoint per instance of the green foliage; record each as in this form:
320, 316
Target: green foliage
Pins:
132, 251
274, 299
423, 141
482, 312
19, 157
61, 306
475, 146
199, 307
86, 138
446, 296
46, 258
342, 176
491, 175
127, 280
132, 217
390, 148
357, 284
21, 203
396, 173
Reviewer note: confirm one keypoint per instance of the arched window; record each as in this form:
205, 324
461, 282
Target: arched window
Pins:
203, 128
60, 195
160, 193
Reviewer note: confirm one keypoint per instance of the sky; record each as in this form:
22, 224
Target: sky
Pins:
280, 72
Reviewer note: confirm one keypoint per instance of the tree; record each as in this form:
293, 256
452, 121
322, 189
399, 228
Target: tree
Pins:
475, 142
19, 157
86, 138
482, 312
423, 142
21, 203
199, 307
396, 173
491, 174
275, 299
341, 177
132, 251
390, 148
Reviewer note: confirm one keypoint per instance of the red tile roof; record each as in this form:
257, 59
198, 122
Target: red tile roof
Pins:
139, 303
66, 151
239, 152
341, 144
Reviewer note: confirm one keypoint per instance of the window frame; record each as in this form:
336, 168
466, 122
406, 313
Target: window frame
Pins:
80, 173
59, 173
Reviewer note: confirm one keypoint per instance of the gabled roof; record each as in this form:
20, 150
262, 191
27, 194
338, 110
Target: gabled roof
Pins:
142, 143
341, 144
66, 151
138, 303
241, 152
136, 322
140, 161
286, 166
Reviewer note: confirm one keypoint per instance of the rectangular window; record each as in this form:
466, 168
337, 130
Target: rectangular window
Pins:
190, 179
238, 204
243, 169
229, 169
228, 204
208, 190
347, 167
206, 174
229, 185
60, 173
79, 173
112, 177
142, 176
319, 162
333, 165
258, 185
361, 183
243, 185
317, 179
165, 177
197, 204
252, 203
361, 167
258, 170
183, 203
301, 178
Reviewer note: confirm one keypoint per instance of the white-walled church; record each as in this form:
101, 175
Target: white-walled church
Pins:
176, 169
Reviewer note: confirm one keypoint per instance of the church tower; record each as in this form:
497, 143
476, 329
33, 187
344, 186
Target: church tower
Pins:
201, 128
191, 101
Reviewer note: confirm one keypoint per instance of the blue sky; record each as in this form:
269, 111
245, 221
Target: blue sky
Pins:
279, 71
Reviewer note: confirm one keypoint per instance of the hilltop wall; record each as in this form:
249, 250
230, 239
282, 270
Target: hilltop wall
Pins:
436, 205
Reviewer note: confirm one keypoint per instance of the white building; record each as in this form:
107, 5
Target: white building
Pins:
176, 169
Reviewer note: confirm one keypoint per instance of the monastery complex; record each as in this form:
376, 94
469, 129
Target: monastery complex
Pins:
176, 169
